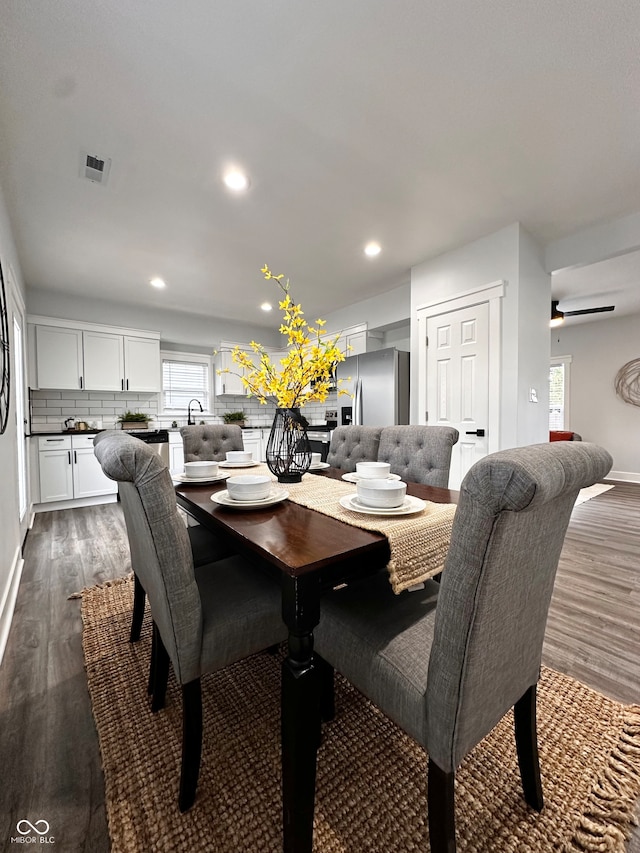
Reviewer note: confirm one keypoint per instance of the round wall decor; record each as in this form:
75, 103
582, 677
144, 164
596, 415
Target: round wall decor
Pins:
627, 382
5, 361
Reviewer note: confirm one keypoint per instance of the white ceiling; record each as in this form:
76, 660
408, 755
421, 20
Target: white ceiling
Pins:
422, 125
615, 281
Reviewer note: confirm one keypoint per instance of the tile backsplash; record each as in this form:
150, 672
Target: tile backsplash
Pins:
50, 409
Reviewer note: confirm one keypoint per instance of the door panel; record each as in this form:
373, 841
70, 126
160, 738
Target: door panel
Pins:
103, 364
458, 381
59, 357
88, 477
56, 477
142, 364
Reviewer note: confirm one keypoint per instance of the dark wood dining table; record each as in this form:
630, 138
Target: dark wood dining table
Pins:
309, 553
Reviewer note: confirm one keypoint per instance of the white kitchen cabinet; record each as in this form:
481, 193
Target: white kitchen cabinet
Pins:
228, 384
88, 477
252, 441
176, 452
68, 469
120, 362
357, 341
265, 438
56, 471
70, 355
103, 361
142, 364
59, 362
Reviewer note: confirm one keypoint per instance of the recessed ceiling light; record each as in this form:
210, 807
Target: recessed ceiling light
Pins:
266, 306
372, 249
158, 282
236, 180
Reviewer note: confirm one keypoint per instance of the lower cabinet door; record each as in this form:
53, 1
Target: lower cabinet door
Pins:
56, 475
176, 452
254, 446
88, 477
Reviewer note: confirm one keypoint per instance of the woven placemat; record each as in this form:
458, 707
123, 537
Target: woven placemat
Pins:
418, 543
371, 777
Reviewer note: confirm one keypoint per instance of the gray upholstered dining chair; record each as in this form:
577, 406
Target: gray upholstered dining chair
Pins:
419, 454
447, 663
206, 547
210, 442
353, 444
204, 618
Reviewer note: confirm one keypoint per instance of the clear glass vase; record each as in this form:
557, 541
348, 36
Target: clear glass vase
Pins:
288, 450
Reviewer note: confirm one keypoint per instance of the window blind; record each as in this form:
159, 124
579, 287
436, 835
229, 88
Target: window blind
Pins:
556, 396
183, 381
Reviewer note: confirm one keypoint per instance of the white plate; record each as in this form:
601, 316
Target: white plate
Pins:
182, 478
237, 464
355, 478
409, 506
320, 466
223, 499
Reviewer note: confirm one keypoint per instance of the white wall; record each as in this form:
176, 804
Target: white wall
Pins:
534, 300
509, 255
599, 349
11, 530
189, 332
377, 311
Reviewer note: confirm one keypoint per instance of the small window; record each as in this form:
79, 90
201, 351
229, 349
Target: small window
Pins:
185, 377
559, 393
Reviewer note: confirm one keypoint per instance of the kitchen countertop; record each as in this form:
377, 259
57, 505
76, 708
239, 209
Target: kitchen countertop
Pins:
66, 432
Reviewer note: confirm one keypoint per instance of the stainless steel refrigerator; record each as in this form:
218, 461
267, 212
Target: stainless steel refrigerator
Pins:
378, 383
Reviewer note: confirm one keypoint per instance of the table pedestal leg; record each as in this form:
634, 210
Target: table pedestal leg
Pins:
300, 716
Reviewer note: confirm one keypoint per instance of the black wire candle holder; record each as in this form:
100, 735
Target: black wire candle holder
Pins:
288, 450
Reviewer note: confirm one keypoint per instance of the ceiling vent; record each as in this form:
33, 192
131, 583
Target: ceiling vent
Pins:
95, 168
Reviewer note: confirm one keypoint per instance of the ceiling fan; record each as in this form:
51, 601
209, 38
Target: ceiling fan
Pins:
557, 316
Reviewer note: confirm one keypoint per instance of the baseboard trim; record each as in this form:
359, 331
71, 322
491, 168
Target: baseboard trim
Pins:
624, 476
8, 600
95, 501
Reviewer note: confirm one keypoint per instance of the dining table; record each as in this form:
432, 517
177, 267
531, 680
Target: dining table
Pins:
309, 553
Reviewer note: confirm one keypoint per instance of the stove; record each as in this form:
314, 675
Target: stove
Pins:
150, 436
159, 438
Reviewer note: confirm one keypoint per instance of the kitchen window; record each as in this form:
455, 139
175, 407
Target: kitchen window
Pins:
559, 392
185, 377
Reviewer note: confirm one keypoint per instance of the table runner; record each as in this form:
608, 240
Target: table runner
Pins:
418, 543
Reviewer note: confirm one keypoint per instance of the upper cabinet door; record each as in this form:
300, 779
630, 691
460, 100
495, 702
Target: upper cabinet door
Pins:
357, 342
142, 364
103, 362
228, 383
59, 361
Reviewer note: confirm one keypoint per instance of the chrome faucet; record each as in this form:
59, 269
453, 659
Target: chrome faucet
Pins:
190, 420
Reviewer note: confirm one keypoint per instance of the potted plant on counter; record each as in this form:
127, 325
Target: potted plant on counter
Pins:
134, 420
237, 418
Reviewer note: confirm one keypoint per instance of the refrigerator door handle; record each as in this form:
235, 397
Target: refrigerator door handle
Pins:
357, 408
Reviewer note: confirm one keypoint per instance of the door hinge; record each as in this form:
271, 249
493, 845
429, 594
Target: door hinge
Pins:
426, 417
426, 340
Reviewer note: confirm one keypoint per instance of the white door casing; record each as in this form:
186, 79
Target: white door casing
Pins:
459, 372
457, 381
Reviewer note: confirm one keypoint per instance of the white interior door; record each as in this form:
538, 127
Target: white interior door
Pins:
458, 382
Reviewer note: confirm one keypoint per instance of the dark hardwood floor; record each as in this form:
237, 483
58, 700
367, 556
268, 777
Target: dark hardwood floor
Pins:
49, 757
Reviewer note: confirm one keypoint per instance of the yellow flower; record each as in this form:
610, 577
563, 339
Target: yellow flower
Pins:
305, 373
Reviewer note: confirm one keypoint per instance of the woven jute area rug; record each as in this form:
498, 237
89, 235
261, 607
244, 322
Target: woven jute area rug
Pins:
371, 788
